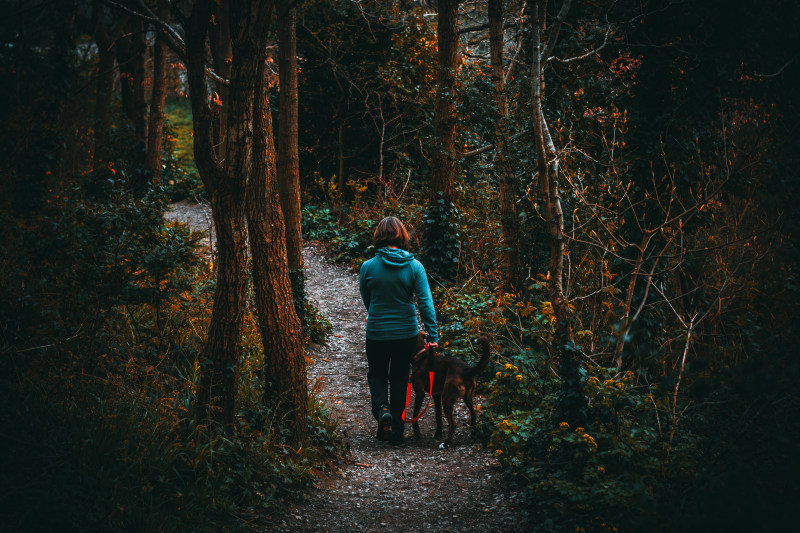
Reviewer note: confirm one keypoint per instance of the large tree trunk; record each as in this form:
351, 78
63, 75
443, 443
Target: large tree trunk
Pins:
572, 399
444, 115
441, 240
226, 187
508, 214
285, 386
288, 157
155, 134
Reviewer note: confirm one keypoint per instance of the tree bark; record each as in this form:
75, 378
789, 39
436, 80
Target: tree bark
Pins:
222, 55
158, 96
441, 235
226, 186
288, 156
444, 120
508, 215
286, 389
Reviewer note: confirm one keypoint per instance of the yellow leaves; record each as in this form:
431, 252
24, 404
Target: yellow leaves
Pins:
527, 310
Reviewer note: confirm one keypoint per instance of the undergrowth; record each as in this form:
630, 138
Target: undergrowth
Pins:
104, 312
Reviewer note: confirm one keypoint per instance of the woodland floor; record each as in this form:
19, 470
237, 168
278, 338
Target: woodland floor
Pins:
412, 487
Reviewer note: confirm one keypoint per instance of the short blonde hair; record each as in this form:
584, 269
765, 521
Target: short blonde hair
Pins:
391, 232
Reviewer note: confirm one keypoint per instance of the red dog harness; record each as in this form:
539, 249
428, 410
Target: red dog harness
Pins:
408, 390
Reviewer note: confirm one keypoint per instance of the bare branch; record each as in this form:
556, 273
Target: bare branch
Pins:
554, 31
778, 72
170, 37
583, 56
486, 148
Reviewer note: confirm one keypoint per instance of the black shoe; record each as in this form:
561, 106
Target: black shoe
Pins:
384, 424
396, 439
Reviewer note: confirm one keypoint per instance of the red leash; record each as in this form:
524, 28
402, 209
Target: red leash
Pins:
408, 392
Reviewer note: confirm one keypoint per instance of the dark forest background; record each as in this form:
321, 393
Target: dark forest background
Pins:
619, 215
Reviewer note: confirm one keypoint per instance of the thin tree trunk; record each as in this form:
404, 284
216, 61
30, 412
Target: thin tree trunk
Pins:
105, 38
288, 157
102, 106
156, 123
508, 215
286, 389
130, 58
139, 50
572, 399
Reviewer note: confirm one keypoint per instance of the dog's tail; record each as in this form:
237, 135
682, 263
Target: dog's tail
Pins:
484, 362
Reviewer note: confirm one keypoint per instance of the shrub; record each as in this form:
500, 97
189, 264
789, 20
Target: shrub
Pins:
593, 478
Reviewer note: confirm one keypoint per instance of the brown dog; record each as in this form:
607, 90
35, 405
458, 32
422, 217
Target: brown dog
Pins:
452, 379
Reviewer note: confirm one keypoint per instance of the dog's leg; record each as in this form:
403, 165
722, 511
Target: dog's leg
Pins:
419, 395
468, 402
448, 412
437, 401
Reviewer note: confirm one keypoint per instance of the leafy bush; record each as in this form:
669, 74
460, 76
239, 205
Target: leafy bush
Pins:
593, 478
319, 223
316, 325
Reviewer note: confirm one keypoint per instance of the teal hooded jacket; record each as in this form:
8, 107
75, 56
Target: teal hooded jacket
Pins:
388, 283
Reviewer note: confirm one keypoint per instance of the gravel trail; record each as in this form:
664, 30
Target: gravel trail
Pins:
412, 487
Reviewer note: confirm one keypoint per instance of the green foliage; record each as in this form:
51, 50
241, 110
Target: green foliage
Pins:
443, 246
179, 173
593, 478
355, 242
317, 327
319, 223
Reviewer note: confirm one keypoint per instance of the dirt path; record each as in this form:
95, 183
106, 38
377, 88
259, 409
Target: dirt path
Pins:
412, 487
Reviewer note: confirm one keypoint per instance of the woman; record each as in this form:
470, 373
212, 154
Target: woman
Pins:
389, 282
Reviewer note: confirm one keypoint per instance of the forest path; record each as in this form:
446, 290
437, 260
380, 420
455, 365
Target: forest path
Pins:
412, 487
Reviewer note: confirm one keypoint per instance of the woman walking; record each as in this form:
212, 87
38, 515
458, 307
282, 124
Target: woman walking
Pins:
389, 283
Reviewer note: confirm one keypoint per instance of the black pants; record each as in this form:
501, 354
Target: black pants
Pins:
389, 364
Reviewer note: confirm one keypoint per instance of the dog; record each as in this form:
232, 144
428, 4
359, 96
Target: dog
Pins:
452, 379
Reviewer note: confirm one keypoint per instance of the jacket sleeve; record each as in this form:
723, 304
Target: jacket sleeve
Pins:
362, 284
425, 302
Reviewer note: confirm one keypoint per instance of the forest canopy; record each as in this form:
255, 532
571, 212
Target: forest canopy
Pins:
606, 189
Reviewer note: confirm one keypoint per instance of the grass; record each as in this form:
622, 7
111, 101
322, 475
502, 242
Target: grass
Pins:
179, 115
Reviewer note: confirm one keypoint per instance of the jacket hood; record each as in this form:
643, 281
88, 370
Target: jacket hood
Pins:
394, 257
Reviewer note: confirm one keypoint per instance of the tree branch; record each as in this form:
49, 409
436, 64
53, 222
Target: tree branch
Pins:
583, 56
482, 149
170, 37
553, 37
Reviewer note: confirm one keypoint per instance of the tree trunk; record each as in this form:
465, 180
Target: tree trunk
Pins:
102, 105
572, 401
508, 215
222, 54
286, 389
288, 157
131, 50
226, 186
441, 237
105, 38
155, 134
444, 120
